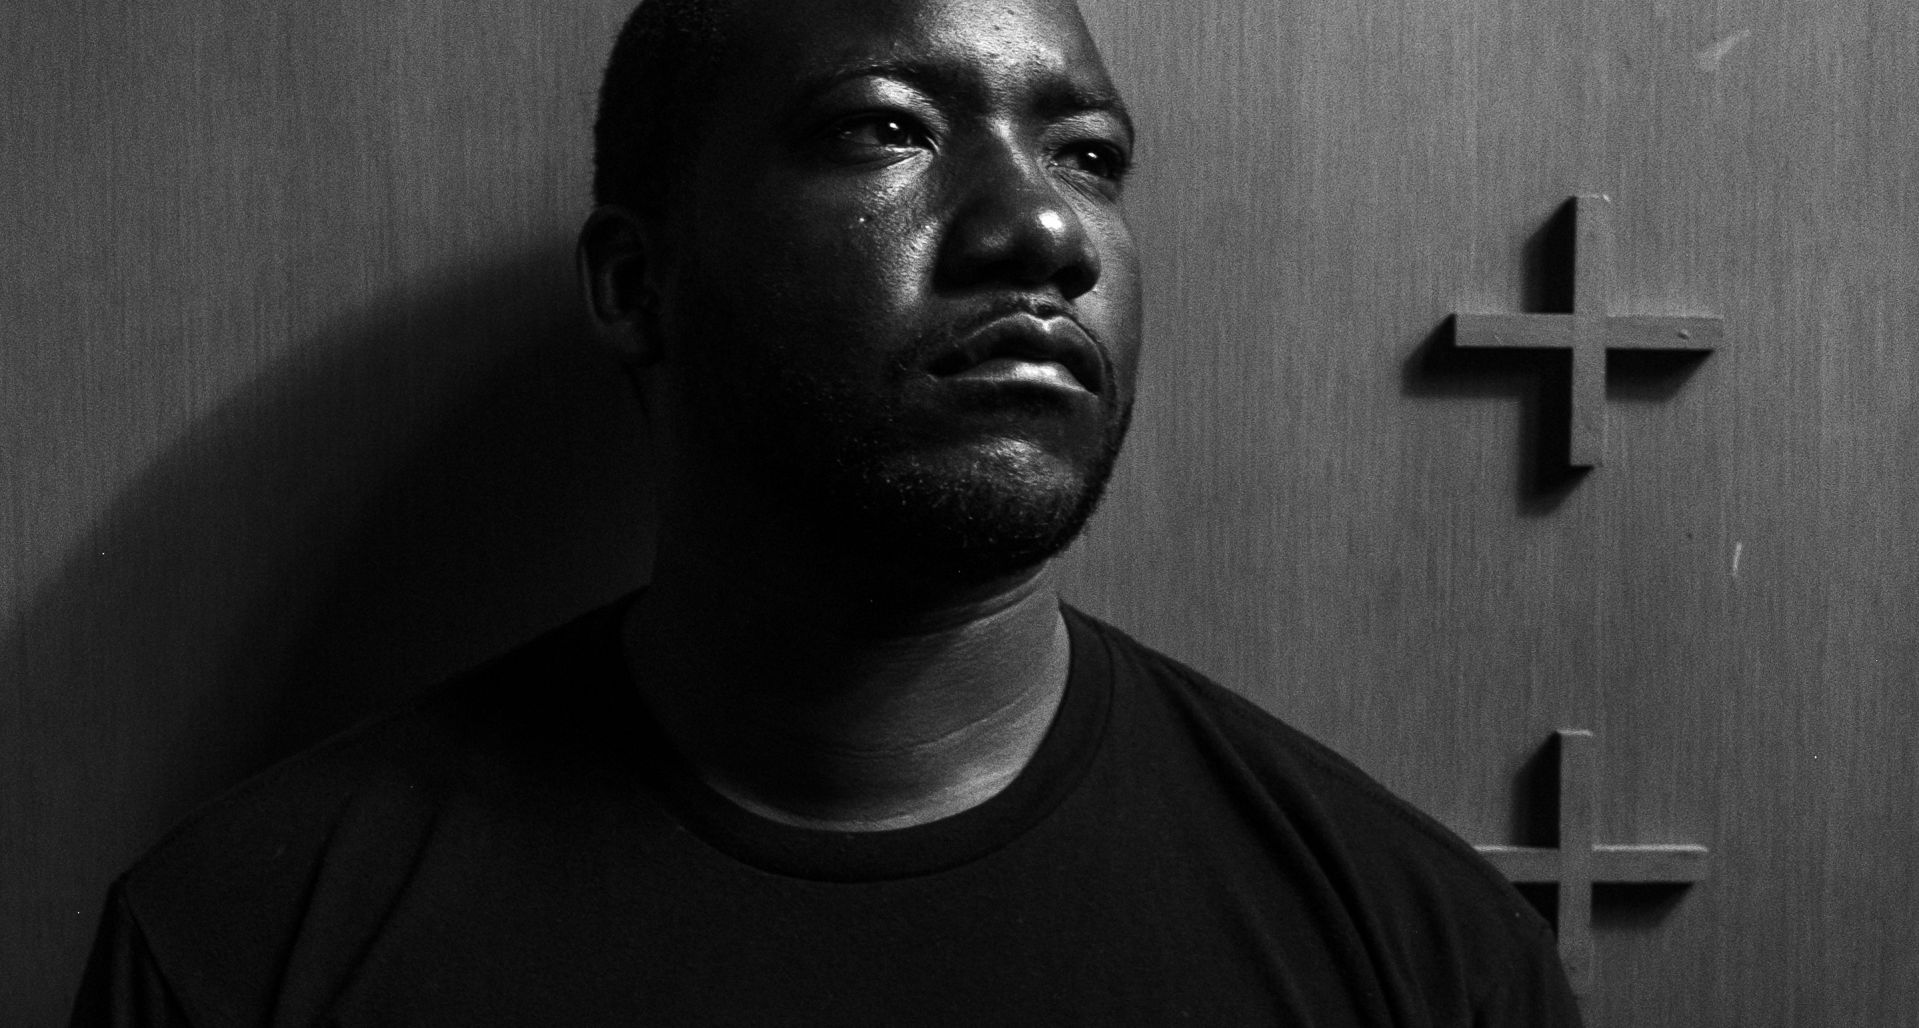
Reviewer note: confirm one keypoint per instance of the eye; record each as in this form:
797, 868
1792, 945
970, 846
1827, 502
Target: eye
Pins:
1097, 158
871, 137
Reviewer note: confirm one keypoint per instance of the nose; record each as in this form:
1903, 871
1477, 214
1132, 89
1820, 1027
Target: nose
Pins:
1013, 224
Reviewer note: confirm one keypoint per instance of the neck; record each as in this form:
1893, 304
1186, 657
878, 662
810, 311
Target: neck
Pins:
822, 710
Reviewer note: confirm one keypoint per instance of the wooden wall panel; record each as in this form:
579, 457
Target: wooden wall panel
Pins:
296, 411
1336, 513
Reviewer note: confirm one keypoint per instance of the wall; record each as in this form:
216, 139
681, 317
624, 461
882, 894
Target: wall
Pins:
297, 410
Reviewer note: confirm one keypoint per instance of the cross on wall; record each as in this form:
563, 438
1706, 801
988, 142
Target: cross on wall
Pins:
1589, 330
1577, 863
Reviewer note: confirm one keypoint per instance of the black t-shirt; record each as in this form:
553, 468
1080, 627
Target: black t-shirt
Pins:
522, 847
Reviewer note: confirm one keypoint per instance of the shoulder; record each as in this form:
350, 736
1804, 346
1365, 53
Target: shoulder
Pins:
511, 712
323, 840
1309, 775
1412, 889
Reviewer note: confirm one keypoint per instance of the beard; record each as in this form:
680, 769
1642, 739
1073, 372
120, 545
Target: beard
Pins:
923, 492
967, 515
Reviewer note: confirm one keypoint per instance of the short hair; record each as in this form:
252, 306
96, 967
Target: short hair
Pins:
651, 109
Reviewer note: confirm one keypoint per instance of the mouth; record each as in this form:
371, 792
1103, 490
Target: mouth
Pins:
1025, 348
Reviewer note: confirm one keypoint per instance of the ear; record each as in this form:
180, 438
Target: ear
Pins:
619, 278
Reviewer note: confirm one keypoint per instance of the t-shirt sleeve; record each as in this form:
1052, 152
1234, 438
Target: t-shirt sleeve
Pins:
1448, 939
122, 985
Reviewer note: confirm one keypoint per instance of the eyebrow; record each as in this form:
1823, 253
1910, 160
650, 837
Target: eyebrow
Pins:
1059, 97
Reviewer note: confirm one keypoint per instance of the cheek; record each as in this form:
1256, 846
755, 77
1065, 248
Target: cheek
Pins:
806, 297
881, 247
816, 262
840, 218
1116, 301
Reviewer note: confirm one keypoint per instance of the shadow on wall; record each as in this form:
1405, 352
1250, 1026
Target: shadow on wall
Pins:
1542, 381
415, 489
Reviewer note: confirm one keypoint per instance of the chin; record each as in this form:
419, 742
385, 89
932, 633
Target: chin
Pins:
935, 494
971, 518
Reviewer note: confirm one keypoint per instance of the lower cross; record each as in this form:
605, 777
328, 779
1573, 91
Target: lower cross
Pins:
1577, 863
1588, 331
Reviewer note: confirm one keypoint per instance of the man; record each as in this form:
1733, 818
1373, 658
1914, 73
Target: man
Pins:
846, 759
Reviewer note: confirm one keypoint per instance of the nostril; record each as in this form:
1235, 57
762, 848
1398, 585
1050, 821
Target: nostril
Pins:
1077, 267
1078, 279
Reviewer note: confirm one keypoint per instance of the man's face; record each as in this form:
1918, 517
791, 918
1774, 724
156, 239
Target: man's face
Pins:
900, 302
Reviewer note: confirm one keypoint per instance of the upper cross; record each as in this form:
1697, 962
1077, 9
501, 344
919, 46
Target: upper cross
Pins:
1589, 330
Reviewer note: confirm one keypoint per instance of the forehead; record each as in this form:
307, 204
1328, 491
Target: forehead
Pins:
787, 45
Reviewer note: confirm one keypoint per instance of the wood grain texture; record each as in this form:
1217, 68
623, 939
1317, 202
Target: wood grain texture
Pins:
1612, 863
297, 415
1575, 863
1330, 520
295, 418
1586, 329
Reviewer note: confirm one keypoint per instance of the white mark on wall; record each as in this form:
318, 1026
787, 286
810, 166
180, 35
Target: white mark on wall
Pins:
1738, 551
1709, 58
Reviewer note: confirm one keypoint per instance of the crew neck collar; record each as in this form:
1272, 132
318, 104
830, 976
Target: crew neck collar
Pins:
1055, 770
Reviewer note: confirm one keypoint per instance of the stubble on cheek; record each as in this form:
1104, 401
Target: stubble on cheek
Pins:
810, 389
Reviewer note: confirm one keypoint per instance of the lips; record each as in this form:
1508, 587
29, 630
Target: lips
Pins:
1024, 347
